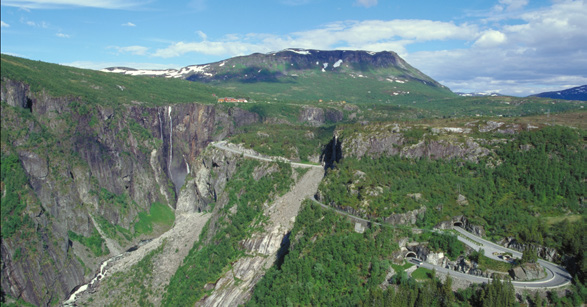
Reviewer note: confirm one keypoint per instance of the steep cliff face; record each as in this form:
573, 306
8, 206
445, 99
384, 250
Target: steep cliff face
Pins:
91, 170
317, 116
411, 142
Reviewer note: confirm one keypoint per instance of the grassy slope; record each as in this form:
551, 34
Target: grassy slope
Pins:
104, 88
329, 86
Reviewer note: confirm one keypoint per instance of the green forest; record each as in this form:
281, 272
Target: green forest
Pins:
538, 178
328, 264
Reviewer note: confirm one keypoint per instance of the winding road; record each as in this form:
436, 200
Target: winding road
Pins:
556, 276
224, 145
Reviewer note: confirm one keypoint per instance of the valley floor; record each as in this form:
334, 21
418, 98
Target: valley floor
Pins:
164, 253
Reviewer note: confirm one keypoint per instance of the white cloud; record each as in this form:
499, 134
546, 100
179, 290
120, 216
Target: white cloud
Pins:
3, 24
136, 65
62, 35
546, 49
511, 5
30, 23
51, 4
129, 24
490, 38
134, 50
202, 35
366, 3
209, 48
375, 35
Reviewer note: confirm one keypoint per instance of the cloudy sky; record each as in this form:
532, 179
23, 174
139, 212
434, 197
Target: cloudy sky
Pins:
515, 47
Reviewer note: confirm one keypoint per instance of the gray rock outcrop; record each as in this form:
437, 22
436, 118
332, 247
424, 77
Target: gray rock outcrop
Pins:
543, 252
527, 271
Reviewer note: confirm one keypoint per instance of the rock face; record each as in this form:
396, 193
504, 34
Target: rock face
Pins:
98, 163
463, 222
546, 253
386, 140
527, 271
408, 218
314, 116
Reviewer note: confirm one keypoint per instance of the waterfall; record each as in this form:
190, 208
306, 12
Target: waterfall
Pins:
160, 125
170, 141
187, 166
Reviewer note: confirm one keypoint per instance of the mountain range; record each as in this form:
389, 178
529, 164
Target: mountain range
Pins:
300, 74
575, 93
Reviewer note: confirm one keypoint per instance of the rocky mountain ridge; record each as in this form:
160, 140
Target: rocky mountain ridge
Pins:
575, 93
270, 67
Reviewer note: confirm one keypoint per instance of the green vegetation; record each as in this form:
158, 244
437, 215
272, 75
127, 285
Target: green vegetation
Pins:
432, 292
485, 263
328, 263
403, 267
136, 282
121, 201
421, 274
214, 253
569, 238
506, 199
15, 196
159, 214
530, 255
446, 242
298, 143
95, 242
105, 88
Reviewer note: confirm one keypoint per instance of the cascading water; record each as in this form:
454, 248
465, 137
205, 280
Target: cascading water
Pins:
170, 141
160, 125
177, 172
102, 272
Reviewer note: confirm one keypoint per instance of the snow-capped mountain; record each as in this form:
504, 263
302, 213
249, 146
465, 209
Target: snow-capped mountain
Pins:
575, 93
482, 94
272, 66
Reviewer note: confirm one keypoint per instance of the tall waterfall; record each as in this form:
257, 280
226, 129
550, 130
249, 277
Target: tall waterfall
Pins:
160, 125
170, 141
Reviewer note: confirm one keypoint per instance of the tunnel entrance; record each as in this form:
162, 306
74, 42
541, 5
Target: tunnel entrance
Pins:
411, 254
458, 224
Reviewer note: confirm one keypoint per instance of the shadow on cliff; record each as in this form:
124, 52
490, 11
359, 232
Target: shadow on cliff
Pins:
283, 250
331, 153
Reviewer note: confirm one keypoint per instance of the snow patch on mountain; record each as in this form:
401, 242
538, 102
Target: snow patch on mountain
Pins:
337, 64
299, 51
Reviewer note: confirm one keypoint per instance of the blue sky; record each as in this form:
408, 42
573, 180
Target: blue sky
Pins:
515, 47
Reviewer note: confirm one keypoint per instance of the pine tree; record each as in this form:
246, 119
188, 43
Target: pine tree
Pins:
448, 297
